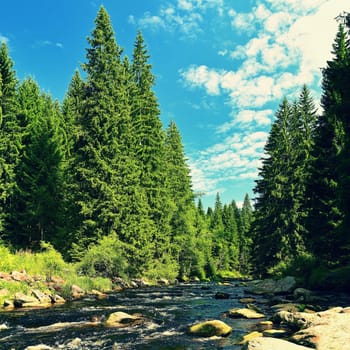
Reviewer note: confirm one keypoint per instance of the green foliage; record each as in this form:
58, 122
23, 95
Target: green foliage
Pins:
104, 259
166, 268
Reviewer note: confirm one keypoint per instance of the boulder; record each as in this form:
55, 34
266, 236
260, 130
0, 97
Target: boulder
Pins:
302, 295
122, 319
19, 276
272, 344
247, 300
275, 333
163, 282
23, 300
244, 313
57, 299
330, 331
3, 327
222, 295
76, 292
5, 276
270, 286
41, 297
98, 295
250, 336
210, 329
39, 347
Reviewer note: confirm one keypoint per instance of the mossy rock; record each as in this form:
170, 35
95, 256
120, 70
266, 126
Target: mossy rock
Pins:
210, 329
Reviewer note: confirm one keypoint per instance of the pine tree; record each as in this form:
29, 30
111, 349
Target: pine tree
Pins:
326, 185
149, 145
274, 227
245, 236
109, 196
9, 133
184, 213
97, 148
36, 206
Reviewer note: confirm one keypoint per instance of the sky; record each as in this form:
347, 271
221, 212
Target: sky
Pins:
222, 67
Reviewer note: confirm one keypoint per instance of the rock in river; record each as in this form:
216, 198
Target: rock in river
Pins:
272, 344
210, 329
244, 313
122, 319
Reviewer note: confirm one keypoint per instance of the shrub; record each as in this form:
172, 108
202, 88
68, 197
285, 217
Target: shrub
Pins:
105, 259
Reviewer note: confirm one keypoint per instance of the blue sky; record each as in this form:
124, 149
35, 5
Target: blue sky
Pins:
222, 67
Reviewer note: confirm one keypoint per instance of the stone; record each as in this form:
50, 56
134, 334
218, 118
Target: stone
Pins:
222, 295
275, 333
8, 304
3, 327
5, 276
23, 300
98, 295
19, 276
210, 328
39, 347
57, 299
302, 295
163, 282
290, 307
330, 331
250, 336
270, 286
247, 300
244, 313
121, 319
76, 291
41, 297
272, 344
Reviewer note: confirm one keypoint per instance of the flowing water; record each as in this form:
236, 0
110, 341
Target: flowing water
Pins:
168, 312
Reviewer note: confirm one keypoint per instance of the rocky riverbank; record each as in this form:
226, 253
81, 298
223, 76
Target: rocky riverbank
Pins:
279, 314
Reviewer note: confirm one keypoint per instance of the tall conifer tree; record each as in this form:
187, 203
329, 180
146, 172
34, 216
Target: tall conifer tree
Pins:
149, 141
37, 201
9, 133
328, 181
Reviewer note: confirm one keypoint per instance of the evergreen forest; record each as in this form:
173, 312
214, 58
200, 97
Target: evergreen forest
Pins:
102, 181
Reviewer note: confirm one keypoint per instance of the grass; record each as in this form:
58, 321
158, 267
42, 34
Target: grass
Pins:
46, 264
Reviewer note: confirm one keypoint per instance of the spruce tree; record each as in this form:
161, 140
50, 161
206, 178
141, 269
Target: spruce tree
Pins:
183, 239
328, 181
109, 197
10, 133
149, 145
245, 236
37, 201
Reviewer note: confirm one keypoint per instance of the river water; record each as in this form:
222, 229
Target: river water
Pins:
168, 312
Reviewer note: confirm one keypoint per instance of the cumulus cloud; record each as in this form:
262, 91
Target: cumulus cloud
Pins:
184, 16
236, 157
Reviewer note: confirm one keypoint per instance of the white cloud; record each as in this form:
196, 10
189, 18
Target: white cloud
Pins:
236, 157
185, 16
42, 43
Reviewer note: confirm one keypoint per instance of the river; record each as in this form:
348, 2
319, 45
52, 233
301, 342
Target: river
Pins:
168, 312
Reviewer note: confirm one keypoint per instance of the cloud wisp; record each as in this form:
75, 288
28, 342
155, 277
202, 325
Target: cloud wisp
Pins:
287, 44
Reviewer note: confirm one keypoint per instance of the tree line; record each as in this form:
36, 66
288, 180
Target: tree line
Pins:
303, 193
99, 178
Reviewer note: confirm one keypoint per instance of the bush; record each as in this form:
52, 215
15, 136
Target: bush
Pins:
105, 259
166, 268
6, 259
